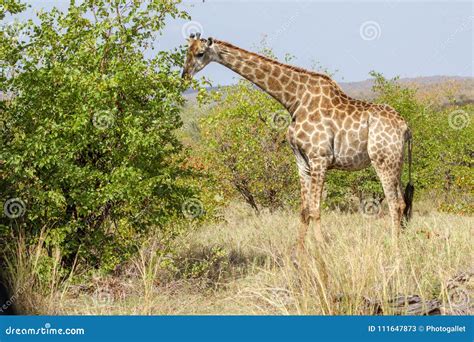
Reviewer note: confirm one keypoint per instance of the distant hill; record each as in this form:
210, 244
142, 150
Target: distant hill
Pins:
459, 85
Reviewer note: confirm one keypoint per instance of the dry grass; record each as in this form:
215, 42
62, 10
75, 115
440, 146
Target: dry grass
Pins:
244, 266
33, 291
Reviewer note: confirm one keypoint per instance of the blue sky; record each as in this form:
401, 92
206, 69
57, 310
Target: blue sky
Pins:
403, 38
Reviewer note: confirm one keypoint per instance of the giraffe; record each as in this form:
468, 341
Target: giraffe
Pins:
328, 129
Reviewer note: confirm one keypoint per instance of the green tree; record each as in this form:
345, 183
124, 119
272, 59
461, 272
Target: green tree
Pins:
88, 122
10, 7
243, 143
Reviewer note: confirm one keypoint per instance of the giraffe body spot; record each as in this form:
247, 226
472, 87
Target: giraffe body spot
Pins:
273, 84
276, 72
259, 74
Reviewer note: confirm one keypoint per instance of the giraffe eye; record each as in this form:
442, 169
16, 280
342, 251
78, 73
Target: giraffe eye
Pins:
200, 54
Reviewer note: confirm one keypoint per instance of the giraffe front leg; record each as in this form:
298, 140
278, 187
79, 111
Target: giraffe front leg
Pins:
318, 174
305, 185
299, 248
304, 211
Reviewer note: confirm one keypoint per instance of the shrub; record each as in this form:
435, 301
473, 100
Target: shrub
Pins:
243, 142
88, 128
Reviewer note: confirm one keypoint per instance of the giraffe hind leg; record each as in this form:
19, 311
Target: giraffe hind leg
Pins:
389, 175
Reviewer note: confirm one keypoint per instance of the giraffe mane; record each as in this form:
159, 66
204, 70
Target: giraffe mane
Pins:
274, 61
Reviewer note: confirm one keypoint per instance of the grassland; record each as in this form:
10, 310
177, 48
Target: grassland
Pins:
243, 265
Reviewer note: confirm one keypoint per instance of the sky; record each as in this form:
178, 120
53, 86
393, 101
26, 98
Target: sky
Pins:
348, 38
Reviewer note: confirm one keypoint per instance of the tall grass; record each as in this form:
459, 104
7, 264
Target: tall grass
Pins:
245, 265
35, 276
361, 261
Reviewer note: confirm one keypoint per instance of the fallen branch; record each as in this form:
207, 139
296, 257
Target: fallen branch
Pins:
459, 302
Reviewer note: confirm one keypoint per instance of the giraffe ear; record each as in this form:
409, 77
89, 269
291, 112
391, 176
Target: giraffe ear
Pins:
210, 41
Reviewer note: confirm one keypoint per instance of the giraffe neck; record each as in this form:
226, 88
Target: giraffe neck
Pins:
283, 82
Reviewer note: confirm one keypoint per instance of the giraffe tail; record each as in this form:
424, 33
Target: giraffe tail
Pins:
410, 188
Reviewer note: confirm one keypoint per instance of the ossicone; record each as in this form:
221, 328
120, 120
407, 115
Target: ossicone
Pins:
196, 35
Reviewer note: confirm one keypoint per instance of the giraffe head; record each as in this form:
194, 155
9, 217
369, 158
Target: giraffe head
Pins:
200, 53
